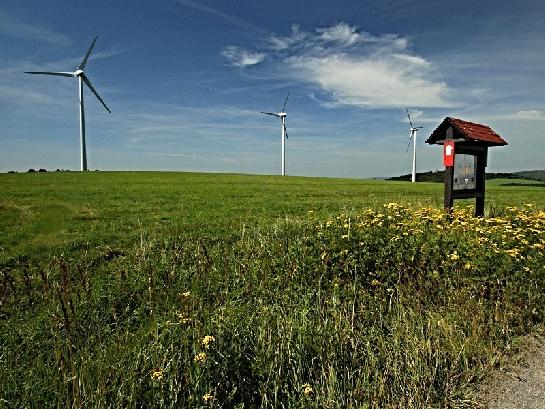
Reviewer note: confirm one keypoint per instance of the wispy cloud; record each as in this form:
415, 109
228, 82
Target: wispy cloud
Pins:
525, 115
236, 21
20, 29
355, 67
240, 57
529, 115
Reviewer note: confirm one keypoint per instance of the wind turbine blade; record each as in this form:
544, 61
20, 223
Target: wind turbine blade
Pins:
60, 74
286, 131
271, 113
82, 65
409, 118
93, 90
409, 144
286, 101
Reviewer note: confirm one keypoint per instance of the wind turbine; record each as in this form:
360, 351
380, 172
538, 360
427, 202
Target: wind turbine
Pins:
282, 115
82, 78
412, 138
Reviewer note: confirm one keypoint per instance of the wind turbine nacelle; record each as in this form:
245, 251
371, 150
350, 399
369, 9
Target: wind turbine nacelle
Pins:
282, 114
78, 73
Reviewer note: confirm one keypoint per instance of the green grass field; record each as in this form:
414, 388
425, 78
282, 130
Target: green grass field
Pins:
211, 290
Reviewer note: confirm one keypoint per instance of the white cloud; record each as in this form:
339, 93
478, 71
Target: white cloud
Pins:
353, 67
240, 57
341, 33
529, 115
19, 29
371, 82
523, 116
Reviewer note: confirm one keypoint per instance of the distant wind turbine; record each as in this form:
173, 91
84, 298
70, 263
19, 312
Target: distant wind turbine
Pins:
282, 115
82, 79
413, 139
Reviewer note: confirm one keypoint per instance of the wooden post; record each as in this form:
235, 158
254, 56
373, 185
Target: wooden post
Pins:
480, 185
449, 180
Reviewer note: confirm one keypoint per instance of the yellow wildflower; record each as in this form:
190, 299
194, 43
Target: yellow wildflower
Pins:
200, 357
208, 398
207, 340
157, 374
182, 318
454, 256
307, 389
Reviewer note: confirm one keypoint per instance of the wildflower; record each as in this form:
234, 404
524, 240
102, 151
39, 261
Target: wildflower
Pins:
344, 236
467, 266
454, 256
323, 255
207, 340
200, 357
157, 374
207, 398
307, 389
375, 282
182, 318
513, 252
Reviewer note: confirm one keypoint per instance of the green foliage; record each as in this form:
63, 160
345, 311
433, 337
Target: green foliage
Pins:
172, 294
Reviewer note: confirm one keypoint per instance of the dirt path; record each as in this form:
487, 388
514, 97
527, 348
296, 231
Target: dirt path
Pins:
521, 386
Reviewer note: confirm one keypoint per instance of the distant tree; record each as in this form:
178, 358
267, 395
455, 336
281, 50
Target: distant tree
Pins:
42, 170
58, 170
31, 170
12, 171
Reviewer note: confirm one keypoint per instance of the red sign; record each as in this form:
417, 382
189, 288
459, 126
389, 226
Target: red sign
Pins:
448, 153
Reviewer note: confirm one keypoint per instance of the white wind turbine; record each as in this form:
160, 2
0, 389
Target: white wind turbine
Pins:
80, 75
282, 115
412, 138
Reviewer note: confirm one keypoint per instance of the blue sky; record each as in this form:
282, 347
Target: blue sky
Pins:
186, 80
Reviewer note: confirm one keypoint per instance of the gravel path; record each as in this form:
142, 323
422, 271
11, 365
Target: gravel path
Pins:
521, 387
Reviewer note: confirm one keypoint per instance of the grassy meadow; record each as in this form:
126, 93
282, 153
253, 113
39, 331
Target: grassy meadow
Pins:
209, 290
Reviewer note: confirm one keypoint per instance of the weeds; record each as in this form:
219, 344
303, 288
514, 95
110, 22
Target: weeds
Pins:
390, 307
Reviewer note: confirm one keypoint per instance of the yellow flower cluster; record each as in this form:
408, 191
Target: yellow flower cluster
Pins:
207, 340
517, 233
307, 389
200, 357
157, 374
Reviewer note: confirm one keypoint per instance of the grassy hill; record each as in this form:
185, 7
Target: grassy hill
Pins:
532, 174
438, 176
205, 290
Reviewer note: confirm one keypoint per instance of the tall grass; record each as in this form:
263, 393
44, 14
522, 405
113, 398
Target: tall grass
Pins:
378, 308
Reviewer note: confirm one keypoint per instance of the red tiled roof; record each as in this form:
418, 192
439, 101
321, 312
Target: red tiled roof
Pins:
477, 131
470, 130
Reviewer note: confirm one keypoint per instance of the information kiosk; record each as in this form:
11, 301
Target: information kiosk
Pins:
465, 152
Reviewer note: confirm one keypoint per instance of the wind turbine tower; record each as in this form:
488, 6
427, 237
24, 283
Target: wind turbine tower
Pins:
82, 78
284, 132
413, 139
